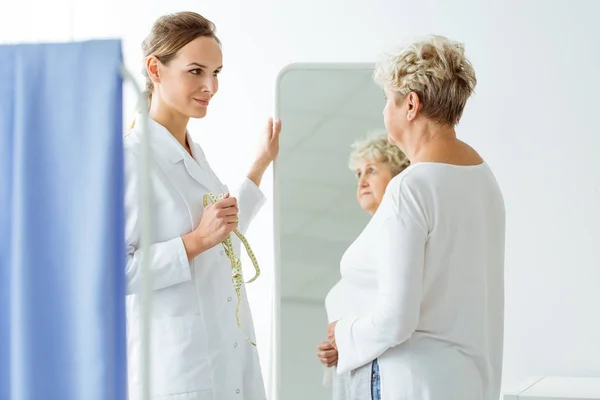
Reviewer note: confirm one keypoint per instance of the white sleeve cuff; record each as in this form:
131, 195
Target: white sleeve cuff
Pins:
347, 351
184, 262
254, 191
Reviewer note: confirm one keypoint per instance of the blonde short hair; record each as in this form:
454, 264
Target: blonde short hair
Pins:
376, 148
436, 69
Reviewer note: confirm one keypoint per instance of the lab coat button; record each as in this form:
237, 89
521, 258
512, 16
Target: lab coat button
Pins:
222, 252
235, 344
229, 299
238, 391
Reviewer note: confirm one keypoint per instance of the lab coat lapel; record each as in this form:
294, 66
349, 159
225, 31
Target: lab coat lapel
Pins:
168, 145
198, 169
200, 158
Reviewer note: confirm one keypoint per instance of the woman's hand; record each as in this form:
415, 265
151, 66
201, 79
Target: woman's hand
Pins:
269, 145
218, 221
327, 354
268, 150
331, 334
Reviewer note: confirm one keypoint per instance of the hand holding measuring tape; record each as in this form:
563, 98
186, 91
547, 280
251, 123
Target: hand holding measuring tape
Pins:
224, 235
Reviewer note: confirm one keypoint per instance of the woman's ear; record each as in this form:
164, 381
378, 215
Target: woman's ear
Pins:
152, 68
413, 105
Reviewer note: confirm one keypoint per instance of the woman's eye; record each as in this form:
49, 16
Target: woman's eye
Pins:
216, 73
196, 71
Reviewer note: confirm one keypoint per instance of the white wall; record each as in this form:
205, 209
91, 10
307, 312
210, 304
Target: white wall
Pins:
534, 118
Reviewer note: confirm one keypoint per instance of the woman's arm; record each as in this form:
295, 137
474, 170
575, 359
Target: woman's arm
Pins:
257, 171
169, 262
250, 198
399, 250
268, 150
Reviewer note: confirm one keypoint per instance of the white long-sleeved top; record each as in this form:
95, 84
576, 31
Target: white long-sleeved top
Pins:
422, 287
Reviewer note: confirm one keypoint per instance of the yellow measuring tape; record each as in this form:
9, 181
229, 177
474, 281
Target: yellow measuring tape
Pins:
236, 265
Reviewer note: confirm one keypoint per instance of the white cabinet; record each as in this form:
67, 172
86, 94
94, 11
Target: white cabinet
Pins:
557, 388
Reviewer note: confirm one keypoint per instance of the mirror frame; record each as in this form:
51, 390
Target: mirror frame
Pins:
274, 378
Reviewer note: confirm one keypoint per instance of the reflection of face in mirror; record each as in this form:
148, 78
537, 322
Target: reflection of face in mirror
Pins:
375, 162
372, 177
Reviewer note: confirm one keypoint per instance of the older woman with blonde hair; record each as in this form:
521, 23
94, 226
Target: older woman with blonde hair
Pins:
422, 286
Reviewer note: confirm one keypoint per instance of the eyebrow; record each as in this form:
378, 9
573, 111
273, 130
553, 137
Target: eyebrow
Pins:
202, 66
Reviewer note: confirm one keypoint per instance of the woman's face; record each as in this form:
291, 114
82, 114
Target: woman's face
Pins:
373, 178
189, 81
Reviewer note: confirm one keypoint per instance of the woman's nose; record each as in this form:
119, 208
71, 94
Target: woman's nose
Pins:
210, 85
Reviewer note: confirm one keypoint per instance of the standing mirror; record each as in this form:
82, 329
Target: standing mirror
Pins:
324, 108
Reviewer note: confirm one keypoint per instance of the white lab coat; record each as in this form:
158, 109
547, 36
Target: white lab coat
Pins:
197, 350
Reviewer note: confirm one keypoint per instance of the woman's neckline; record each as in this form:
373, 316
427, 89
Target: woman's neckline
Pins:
481, 164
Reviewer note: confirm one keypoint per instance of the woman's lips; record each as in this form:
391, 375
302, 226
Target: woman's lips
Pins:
202, 102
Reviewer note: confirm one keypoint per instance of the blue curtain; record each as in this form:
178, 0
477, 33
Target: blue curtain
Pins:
62, 285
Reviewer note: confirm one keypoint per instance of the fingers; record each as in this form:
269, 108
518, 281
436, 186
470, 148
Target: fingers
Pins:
324, 346
332, 342
227, 207
226, 202
328, 358
331, 363
222, 204
231, 220
228, 212
276, 128
327, 355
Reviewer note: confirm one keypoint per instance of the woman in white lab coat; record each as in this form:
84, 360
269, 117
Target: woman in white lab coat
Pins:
374, 161
197, 350
423, 283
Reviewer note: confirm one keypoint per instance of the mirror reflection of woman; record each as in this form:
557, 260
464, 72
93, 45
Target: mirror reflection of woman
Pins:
423, 284
375, 161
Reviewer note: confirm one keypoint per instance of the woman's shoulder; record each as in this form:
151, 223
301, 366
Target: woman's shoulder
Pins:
434, 185
422, 183
412, 178
425, 174
132, 141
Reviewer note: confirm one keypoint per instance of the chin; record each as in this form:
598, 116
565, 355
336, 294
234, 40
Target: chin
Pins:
198, 113
366, 205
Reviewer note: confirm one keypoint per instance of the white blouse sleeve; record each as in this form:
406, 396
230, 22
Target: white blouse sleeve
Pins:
399, 248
